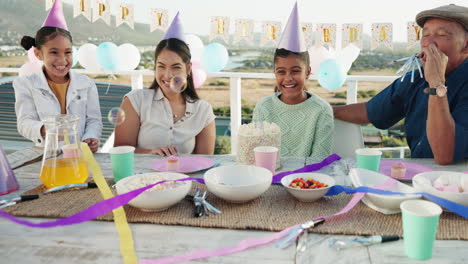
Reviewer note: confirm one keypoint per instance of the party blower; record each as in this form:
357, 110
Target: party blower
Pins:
8, 181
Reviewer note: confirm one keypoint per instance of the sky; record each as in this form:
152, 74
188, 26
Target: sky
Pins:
196, 14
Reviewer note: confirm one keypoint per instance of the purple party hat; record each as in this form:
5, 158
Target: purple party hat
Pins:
8, 181
55, 17
175, 30
292, 38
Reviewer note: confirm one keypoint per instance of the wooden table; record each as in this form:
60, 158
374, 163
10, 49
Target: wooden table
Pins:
98, 242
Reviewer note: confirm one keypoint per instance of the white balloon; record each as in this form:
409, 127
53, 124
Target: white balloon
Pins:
87, 57
318, 55
347, 56
30, 68
195, 45
129, 57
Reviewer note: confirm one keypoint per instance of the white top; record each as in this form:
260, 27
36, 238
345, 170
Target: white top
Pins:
35, 101
157, 128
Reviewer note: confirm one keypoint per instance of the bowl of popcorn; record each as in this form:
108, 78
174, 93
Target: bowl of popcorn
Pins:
449, 185
159, 197
238, 183
307, 187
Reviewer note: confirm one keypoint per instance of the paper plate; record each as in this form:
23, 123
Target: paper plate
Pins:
186, 164
412, 169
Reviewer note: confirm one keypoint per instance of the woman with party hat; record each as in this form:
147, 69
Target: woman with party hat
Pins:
305, 119
56, 90
168, 118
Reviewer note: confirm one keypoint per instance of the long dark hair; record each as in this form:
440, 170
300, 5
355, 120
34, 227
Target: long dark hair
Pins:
182, 49
43, 35
284, 53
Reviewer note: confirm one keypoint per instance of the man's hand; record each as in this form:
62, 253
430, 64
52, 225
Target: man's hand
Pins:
435, 65
165, 151
93, 144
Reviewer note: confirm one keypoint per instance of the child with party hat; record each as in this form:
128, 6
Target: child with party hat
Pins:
168, 118
305, 119
56, 90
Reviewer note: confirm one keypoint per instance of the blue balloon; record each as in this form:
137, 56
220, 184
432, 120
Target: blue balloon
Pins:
107, 55
330, 75
75, 56
215, 57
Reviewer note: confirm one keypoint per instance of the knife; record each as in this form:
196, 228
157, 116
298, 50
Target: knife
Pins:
63, 187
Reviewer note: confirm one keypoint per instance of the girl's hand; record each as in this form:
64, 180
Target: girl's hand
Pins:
165, 151
93, 144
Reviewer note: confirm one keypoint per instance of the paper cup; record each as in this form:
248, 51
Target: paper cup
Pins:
265, 156
368, 158
122, 159
420, 219
71, 151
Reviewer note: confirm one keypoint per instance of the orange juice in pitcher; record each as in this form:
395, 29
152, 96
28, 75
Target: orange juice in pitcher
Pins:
62, 162
57, 172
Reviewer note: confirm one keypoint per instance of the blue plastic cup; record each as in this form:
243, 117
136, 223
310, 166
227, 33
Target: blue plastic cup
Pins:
420, 219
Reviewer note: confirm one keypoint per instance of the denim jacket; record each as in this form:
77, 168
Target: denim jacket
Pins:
35, 101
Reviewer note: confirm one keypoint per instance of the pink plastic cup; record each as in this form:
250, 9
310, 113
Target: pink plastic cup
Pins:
265, 156
71, 151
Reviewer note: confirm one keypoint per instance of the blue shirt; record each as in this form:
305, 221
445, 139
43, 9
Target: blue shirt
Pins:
408, 100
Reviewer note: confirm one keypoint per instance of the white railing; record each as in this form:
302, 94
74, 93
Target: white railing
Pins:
235, 92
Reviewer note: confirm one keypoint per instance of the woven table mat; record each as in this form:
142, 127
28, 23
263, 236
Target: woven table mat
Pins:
273, 211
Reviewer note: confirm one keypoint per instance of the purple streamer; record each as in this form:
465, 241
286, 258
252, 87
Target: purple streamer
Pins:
92, 212
308, 168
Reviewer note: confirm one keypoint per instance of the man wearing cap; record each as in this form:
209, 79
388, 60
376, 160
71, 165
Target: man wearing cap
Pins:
435, 107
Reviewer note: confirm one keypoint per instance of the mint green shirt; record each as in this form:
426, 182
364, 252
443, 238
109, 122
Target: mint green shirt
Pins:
306, 128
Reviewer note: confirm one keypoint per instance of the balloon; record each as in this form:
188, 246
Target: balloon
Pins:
87, 57
347, 56
75, 56
330, 74
215, 57
129, 57
107, 55
31, 56
198, 74
318, 55
30, 68
196, 46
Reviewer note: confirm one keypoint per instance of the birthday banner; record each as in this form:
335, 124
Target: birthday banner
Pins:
382, 34
125, 14
326, 35
243, 29
351, 34
219, 29
82, 7
159, 19
271, 31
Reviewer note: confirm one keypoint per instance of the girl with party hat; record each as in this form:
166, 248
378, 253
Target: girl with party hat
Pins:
305, 119
168, 118
56, 90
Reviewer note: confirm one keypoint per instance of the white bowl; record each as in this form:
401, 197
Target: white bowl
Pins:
308, 195
387, 204
238, 183
156, 200
423, 182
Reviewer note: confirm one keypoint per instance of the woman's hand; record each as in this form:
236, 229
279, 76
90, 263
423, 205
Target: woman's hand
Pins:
165, 151
93, 144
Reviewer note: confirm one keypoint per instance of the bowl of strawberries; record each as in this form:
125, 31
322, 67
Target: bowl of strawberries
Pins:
307, 187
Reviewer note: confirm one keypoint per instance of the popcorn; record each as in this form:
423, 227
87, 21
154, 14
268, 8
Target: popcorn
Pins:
146, 179
450, 184
257, 134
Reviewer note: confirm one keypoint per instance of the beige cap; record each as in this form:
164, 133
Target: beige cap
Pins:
451, 12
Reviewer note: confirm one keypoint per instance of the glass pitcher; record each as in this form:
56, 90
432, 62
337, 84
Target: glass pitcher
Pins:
62, 162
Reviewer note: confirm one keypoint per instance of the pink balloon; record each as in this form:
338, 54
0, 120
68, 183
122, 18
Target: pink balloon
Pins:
30, 68
31, 56
199, 77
